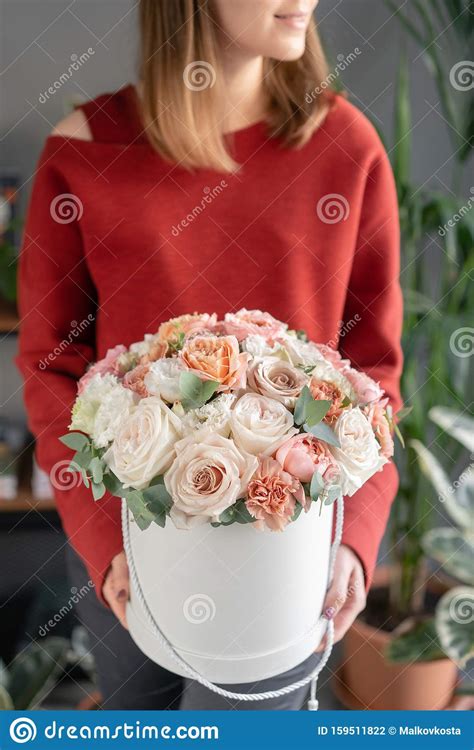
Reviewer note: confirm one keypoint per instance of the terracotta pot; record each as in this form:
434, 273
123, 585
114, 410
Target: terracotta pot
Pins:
366, 680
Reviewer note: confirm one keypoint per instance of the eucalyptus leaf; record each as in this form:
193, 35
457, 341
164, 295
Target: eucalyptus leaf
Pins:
302, 402
98, 490
96, 470
142, 515
195, 392
241, 514
316, 486
113, 484
324, 432
316, 411
75, 440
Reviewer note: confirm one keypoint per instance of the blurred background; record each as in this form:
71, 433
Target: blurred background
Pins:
408, 66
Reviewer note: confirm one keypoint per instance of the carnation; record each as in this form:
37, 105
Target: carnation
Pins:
100, 408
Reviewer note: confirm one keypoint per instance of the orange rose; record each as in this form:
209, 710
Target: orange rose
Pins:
176, 328
216, 358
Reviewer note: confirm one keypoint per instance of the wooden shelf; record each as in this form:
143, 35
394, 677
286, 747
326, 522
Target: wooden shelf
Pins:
25, 502
9, 319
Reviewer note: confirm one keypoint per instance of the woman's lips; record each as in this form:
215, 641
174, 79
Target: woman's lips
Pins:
296, 21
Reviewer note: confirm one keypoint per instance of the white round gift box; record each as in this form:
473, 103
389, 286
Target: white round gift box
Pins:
237, 604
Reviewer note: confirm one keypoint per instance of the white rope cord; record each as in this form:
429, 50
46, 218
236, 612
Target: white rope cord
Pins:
193, 674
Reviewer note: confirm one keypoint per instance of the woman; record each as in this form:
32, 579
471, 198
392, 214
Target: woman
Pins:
230, 176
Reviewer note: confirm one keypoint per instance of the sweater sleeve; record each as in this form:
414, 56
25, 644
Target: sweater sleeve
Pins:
56, 343
374, 309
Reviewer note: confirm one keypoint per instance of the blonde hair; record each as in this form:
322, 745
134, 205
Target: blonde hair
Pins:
181, 117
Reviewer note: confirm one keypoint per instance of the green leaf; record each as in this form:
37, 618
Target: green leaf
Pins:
6, 703
302, 402
452, 550
241, 514
332, 494
113, 485
157, 499
322, 431
96, 469
455, 623
459, 426
82, 459
316, 486
75, 440
98, 490
142, 515
419, 643
296, 514
316, 411
194, 391
34, 671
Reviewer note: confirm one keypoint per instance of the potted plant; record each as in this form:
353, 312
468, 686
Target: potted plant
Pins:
32, 674
415, 665
437, 231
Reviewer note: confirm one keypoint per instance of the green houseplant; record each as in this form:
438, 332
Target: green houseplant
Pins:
437, 246
32, 674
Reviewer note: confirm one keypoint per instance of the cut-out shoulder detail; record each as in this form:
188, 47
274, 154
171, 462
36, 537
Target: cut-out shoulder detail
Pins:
74, 125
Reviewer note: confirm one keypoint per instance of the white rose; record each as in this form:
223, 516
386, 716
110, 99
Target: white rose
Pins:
207, 476
257, 346
299, 352
101, 407
162, 379
212, 417
359, 453
277, 379
144, 445
260, 424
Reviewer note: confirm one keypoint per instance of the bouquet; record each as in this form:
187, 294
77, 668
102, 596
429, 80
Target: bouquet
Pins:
239, 420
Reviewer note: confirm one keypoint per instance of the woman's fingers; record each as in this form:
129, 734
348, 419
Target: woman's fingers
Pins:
346, 595
116, 588
354, 604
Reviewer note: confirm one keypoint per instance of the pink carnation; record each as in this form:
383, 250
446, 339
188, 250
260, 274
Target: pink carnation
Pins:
135, 380
105, 366
377, 417
272, 494
247, 322
303, 454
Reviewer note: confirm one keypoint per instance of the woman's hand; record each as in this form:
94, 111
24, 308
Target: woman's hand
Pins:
116, 587
346, 596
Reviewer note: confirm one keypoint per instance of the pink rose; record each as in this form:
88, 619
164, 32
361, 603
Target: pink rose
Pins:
334, 357
171, 331
105, 366
377, 417
367, 390
272, 494
246, 322
303, 454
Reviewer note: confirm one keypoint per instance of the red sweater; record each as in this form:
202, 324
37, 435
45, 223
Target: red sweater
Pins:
151, 240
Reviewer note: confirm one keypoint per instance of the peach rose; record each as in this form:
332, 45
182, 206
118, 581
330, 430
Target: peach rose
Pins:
184, 325
321, 390
108, 365
135, 380
303, 454
216, 358
380, 425
272, 494
246, 322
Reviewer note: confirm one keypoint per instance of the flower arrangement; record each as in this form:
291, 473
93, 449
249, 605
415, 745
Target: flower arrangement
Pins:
239, 420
